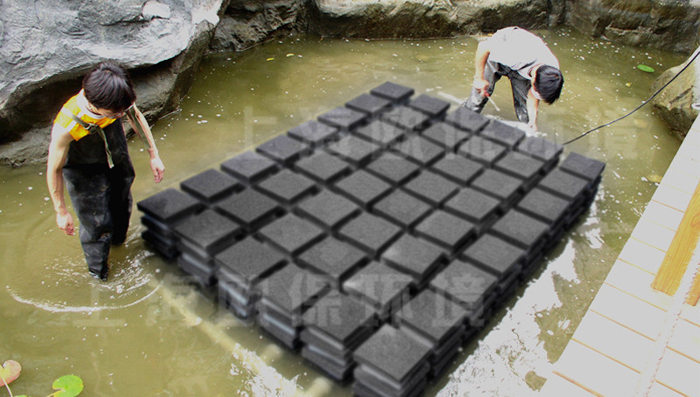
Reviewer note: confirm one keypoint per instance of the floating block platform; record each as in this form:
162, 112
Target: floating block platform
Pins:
377, 239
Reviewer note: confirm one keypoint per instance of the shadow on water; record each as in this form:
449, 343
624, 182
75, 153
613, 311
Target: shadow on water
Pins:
148, 331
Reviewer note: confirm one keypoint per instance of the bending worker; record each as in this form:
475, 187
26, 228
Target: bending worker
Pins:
529, 64
88, 154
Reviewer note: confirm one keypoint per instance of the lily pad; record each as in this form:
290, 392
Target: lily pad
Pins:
9, 372
645, 68
67, 386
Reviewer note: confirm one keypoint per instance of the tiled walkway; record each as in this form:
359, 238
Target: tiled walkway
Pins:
616, 342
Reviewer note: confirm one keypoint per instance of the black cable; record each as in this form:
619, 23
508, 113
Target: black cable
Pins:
638, 107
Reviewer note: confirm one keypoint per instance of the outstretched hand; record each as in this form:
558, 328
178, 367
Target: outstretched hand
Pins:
65, 223
157, 168
483, 87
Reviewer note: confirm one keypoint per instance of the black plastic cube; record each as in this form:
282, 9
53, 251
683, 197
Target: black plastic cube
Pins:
465, 283
414, 256
457, 168
370, 232
446, 230
283, 149
322, 167
393, 92
432, 316
420, 150
497, 256
402, 208
502, 186
386, 289
564, 185
355, 150
338, 318
207, 232
328, 209
544, 206
291, 290
169, 205
287, 186
342, 117
429, 105
406, 117
520, 229
392, 168
370, 104
482, 150
249, 207
333, 258
363, 188
249, 166
520, 166
582, 166
248, 261
313, 132
473, 205
431, 187
466, 119
541, 148
380, 132
291, 234
209, 185
446, 135
503, 133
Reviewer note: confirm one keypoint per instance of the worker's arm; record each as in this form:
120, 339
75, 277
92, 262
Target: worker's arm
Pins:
157, 166
532, 105
482, 55
58, 152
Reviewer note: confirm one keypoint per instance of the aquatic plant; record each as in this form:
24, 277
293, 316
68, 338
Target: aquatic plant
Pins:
65, 386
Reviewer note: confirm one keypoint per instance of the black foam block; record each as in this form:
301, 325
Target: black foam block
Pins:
323, 167
357, 151
386, 289
169, 205
583, 166
498, 184
393, 92
414, 256
406, 117
496, 255
249, 166
328, 208
380, 132
521, 166
249, 207
209, 185
466, 119
544, 206
392, 168
429, 105
520, 229
541, 149
247, 261
564, 185
457, 168
292, 290
432, 316
208, 230
287, 186
370, 232
283, 149
291, 233
419, 149
446, 135
313, 132
367, 103
446, 230
473, 205
402, 208
432, 187
503, 133
482, 150
343, 117
333, 258
465, 283
363, 187
340, 317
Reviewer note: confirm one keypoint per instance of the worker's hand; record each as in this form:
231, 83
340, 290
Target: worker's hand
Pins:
532, 125
65, 222
483, 86
157, 168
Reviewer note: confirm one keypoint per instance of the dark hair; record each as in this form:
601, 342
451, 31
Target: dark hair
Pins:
108, 86
548, 82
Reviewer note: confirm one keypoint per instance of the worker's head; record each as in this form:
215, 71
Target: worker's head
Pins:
108, 88
548, 83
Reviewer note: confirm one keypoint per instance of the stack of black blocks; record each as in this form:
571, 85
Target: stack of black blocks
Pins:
378, 238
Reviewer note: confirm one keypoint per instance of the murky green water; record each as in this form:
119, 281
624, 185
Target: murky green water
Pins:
147, 332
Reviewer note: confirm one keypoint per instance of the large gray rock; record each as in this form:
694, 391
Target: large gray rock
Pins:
46, 47
675, 103
666, 24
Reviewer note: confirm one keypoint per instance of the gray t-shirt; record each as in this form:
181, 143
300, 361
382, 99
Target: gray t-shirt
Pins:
520, 50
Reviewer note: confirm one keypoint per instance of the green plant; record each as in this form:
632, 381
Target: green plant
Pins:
65, 386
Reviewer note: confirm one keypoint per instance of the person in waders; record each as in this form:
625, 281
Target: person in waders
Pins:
529, 64
88, 155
